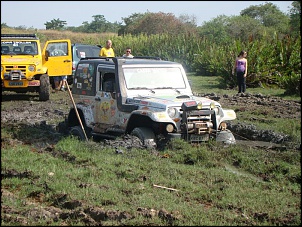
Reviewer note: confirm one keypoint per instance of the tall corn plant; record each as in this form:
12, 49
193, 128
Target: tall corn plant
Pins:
271, 61
290, 54
217, 60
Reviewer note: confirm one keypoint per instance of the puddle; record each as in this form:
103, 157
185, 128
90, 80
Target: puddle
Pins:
258, 143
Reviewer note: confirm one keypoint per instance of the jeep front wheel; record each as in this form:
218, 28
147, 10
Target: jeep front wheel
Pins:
146, 135
44, 91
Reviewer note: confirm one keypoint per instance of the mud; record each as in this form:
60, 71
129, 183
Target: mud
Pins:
26, 109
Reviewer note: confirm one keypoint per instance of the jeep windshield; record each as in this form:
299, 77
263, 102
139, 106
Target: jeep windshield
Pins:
154, 78
19, 47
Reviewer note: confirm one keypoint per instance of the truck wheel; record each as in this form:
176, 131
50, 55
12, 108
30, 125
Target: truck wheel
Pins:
77, 131
44, 91
146, 135
226, 137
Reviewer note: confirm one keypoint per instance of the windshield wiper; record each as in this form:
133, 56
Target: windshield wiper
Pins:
142, 88
138, 88
168, 88
183, 96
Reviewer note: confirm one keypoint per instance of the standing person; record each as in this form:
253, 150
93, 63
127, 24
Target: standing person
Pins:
241, 71
57, 81
63, 83
128, 53
107, 51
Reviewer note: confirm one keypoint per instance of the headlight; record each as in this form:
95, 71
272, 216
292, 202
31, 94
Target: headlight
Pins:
2, 68
199, 106
212, 105
31, 68
169, 128
172, 112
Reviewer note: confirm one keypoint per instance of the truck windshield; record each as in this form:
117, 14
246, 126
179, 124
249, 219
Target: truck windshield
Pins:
154, 78
19, 47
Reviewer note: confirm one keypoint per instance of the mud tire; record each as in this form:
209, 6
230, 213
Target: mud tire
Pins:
146, 135
226, 137
44, 90
77, 132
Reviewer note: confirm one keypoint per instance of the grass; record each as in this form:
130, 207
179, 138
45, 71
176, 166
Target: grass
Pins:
210, 84
214, 185
211, 188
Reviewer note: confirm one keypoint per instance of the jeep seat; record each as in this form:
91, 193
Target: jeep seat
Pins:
28, 49
17, 50
4, 49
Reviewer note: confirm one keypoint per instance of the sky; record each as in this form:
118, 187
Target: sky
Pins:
36, 13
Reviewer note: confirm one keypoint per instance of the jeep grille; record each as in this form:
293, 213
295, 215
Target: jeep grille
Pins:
197, 121
22, 68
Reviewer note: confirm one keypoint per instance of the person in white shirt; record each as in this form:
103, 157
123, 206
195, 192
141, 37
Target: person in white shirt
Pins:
128, 53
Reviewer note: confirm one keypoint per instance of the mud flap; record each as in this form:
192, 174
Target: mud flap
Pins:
226, 137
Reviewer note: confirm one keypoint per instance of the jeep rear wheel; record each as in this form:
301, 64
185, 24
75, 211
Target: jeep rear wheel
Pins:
44, 91
146, 135
77, 132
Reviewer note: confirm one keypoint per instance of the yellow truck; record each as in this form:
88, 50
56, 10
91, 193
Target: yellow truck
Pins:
25, 67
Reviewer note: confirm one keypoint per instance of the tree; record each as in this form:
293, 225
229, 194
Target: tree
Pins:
268, 15
295, 18
130, 23
215, 29
98, 24
55, 24
4, 25
224, 29
156, 23
189, 20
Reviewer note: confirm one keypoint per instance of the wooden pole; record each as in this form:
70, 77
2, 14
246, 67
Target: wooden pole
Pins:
158, 186
76, 110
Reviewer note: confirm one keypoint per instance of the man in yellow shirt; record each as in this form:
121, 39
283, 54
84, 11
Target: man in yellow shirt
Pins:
107, 51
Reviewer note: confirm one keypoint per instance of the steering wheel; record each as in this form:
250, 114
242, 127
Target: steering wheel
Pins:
57, 52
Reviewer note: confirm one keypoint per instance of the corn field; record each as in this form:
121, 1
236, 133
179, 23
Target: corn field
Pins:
272, 62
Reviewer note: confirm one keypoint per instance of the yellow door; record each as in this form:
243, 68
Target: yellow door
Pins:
57, 57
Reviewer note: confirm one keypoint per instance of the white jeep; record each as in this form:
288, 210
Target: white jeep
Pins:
143, 96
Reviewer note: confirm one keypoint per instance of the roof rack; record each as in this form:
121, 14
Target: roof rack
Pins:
23, 36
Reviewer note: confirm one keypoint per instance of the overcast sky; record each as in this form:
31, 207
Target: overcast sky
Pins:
36, 13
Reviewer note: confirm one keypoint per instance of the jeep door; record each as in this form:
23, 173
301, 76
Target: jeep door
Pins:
105, 111
57, 57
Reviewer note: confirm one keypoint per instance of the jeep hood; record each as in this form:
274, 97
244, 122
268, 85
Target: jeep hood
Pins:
163, 102
20, 60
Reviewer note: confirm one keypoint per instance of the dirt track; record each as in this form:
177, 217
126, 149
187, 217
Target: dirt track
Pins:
26, 109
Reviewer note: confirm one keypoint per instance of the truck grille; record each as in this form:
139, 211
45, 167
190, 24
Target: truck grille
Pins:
21, 68
197, 125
